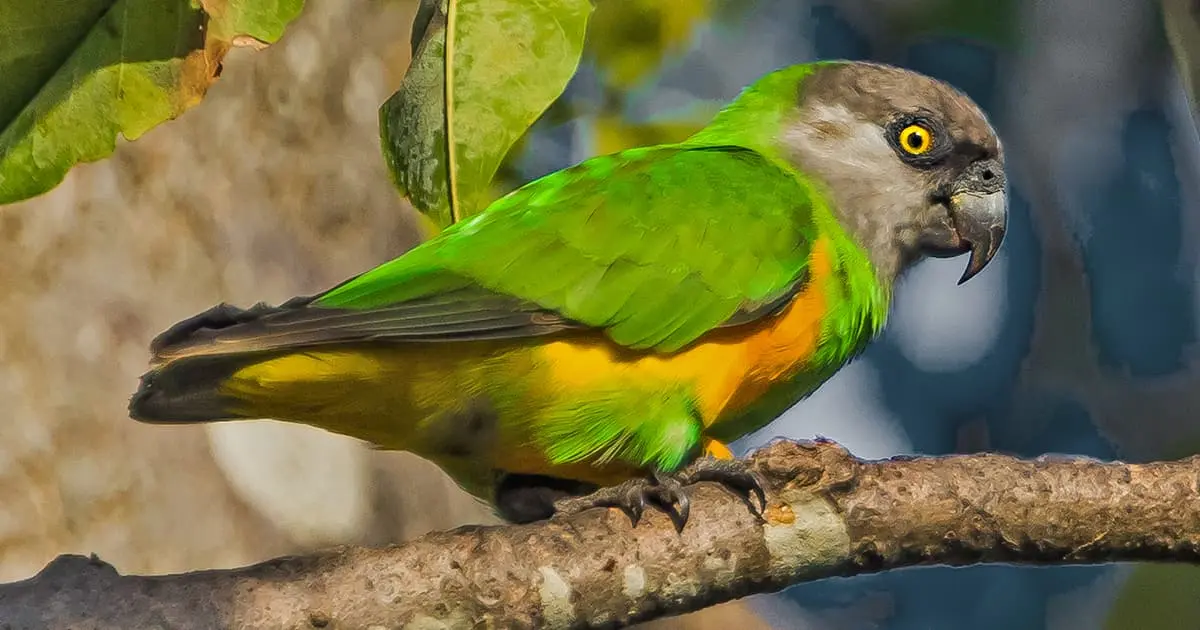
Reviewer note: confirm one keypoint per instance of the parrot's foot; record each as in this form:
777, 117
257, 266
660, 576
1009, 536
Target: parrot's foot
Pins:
667, 491
631, 497
734, 474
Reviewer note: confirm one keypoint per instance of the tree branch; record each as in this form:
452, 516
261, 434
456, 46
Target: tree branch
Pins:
829, 514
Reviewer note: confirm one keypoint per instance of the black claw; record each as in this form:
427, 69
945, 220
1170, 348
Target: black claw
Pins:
634, 502
631, 497
667, 491
735, 475
673, 499
684, 511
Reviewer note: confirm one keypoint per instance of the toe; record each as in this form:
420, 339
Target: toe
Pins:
684, 509
634, 501
735, 475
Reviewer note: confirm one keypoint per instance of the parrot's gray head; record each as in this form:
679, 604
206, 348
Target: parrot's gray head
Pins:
913, 166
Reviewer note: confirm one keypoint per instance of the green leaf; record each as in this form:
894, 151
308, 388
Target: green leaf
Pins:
252, 23
78, 73
509, 59
412, 123
424, 15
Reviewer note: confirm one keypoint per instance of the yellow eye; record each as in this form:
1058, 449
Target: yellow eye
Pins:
915, 140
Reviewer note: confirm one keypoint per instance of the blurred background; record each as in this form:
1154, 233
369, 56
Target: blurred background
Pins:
1078, 339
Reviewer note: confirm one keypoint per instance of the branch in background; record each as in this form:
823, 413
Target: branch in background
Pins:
829, 514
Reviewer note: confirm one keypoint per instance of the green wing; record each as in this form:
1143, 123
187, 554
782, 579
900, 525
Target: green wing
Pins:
656, 246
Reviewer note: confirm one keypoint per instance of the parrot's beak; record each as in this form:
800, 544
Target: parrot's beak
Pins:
979, 211
979, 220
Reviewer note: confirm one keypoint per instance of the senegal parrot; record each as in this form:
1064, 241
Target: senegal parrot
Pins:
596, 337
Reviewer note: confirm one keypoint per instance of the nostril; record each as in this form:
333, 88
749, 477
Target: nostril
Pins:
988, 175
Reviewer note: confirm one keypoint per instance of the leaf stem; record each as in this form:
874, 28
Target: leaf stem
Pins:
451, 161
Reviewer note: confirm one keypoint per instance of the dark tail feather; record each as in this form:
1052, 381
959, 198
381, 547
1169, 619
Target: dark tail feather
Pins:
187, 390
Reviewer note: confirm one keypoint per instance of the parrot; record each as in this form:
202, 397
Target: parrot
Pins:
598, 336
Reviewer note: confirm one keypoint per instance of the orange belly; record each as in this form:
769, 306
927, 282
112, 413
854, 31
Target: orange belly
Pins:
730, 368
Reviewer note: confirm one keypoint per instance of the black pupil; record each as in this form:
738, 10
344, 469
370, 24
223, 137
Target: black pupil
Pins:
915, 140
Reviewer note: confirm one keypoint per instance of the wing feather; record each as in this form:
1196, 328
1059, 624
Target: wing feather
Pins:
671, 242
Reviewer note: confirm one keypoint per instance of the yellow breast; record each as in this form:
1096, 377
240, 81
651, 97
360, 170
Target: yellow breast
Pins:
730, 368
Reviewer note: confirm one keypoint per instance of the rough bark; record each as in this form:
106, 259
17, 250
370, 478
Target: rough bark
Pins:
829, 514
